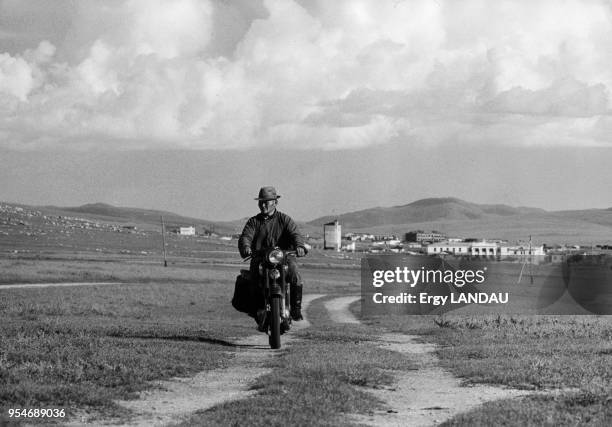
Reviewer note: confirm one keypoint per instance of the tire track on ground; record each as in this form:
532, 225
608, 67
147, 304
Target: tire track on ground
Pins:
338, 309
423, 397
60, 284
180, 397
176, 399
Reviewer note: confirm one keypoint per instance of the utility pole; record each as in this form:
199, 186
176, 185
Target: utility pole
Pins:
530, 261
525, 262
163, 231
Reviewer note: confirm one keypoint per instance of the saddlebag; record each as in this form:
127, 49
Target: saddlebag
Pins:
243, 293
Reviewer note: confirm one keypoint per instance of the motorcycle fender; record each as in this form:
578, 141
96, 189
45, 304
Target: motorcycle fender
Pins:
276, 288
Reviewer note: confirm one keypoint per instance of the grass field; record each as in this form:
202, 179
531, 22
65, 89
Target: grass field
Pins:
571, 354
81, 348
317, 382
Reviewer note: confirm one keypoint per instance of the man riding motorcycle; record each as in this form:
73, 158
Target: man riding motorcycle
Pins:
271, 228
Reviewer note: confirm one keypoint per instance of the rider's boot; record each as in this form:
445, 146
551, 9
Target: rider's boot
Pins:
296, 301
261, 319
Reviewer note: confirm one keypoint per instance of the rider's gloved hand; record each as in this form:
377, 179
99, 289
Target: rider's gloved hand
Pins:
300, 251
247, 252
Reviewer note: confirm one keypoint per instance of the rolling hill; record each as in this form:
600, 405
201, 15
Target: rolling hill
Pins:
464, 219
453, 216
448, 208
150, 217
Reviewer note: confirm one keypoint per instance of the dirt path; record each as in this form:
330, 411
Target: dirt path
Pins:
60, 285
180, 397
423, 397
338, 309
176, 399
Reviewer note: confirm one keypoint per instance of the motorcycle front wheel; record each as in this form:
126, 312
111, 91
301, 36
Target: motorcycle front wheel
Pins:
275, 321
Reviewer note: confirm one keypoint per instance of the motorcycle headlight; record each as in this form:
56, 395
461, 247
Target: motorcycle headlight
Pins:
275, 257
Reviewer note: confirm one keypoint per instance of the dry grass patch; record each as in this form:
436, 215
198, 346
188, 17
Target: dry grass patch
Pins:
80, 348
569, 353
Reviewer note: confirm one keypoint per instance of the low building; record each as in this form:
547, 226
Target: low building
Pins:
349, 247
457, 248
420, 236
521, 250
186, 231
483, 248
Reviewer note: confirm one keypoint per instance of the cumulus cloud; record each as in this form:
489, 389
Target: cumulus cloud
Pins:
567, 97
313, 74
15, 76
21, 74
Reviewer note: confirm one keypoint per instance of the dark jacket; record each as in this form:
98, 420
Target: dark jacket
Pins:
261, 232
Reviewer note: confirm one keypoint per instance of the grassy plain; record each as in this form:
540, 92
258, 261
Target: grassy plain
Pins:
569, 354
81, 348
319, 380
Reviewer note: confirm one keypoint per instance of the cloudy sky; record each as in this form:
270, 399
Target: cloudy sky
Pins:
192, 105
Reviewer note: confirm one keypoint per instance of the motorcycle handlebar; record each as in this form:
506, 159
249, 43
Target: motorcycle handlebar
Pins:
261, 253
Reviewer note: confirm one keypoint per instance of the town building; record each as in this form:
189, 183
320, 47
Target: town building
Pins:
483, 248
186, 231
349, 247
332, 235
456, 248
521, 250
422, 237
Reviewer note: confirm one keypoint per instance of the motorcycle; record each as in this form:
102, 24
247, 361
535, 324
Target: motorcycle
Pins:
272, 282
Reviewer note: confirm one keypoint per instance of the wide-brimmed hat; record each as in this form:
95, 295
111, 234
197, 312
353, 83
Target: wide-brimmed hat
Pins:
267, 193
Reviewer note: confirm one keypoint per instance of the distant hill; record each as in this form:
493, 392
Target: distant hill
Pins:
459, 218
452, 216
106, 212
432, 209
594, 216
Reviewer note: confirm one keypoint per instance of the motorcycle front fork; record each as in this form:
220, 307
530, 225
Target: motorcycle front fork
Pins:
273, 287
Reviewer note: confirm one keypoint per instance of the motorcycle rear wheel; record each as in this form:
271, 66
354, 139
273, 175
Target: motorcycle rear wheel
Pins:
275, 321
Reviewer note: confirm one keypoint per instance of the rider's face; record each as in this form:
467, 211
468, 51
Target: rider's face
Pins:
267, 206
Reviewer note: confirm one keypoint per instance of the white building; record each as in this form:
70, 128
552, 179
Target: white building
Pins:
332, 235
187, 231
483, 248
521, 250
349, 247
457, 248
